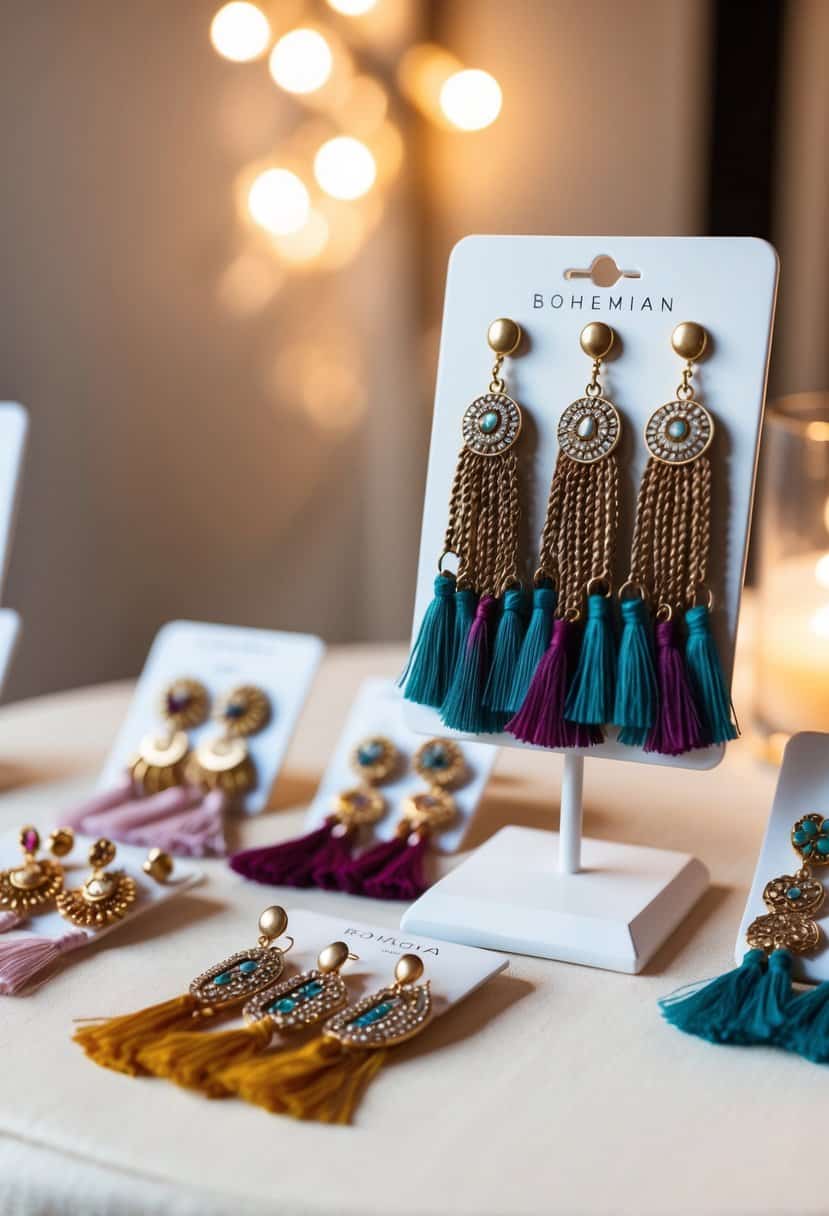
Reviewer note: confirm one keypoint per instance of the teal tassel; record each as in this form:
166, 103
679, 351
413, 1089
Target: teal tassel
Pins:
426, 677
463, 708
536, 641
714, 1010
806, 1029
636, 687
592, 693
766, 1008
506, 651
707, 680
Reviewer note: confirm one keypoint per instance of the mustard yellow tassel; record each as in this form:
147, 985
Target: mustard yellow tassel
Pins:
195, 1061
321, 1081
116, 1043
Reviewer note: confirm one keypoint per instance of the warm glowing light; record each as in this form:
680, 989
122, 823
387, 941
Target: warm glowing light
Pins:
822, 571
422, 72
307, 244
387, 146
248, 284
279, 202
471, 99
352, 8
820, 622
301, 61
364, 107
345, 168
240, 32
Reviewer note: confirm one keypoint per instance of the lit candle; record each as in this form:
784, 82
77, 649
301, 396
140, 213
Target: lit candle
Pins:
792, 661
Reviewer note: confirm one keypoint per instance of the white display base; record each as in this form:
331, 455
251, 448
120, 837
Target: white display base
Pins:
615, 913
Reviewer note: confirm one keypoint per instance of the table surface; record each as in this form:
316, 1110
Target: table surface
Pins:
556, 1088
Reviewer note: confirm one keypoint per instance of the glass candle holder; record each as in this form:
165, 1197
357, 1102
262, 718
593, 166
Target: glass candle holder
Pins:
792, 643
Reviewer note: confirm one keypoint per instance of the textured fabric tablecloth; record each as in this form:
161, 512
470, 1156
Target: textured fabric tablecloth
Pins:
555, 1089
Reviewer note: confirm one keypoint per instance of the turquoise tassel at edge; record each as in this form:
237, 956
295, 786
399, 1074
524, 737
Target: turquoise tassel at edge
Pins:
463, 707
707, 680
713, 1010
637, 692
592, 693
536, 641
806, 1028
506, 650
428, 672
766, 1008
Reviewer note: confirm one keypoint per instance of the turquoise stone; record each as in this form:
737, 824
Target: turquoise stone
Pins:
489, 422
373, 1015
824, 827
370, 753
587, 427
286, 1005
793, 893
801, 837
434, 757
310, 990
807, 848
823, 845
248, 966
678, 429
223, 979
809, 827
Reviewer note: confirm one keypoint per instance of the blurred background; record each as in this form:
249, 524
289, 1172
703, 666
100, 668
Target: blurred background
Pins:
224, 235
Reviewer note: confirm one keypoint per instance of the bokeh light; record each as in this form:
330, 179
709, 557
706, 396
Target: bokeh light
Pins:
278, 201
352, 8
364, 106
471, 99
248, 284
301, 61
345, 168
328, 383
422, 72
308, 243
240, 31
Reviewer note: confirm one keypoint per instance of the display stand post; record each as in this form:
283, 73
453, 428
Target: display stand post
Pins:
572, 801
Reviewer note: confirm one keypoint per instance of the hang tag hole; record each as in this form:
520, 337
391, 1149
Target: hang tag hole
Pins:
603, 272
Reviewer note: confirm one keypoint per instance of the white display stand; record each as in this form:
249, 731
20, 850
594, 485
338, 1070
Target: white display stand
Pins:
283, 665
728, 285
802, 788
9, 636
378, 710
14, 425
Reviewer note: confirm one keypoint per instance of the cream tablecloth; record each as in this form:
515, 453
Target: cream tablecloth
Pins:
556, 1089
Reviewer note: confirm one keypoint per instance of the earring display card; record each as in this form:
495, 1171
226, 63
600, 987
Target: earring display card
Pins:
9, 634
282, 665
544, 283
802, 789
454, 971
51, 925
14, 424
378, 710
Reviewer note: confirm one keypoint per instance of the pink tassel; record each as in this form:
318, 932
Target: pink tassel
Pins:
332, 859
10, 920
138, 812
198, 832
677, 728
352, 877
403, 877
22, 958
290, 864
76, 815
540, 720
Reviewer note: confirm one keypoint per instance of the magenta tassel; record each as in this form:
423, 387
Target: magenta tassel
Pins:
10, 920
677, 728
290, 864
22, 958
197, 832
540, 720
353, 876
403, 877
334, 856
75, 816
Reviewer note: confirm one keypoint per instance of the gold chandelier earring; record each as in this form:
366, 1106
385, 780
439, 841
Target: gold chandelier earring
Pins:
104, 897
224, 762
33, 886
163, 754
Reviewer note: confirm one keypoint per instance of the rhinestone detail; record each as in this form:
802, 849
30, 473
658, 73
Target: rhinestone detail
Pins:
589, 429
502, 434
661, 429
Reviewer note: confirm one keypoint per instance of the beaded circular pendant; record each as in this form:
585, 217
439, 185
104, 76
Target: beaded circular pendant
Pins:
434, 810
794, 893
589, 429
783, 931
491, 424
810, 838
679, 431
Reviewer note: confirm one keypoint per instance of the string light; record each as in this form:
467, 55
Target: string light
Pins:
240, 32
308, 243
471, 99
352, 8
278, 201
345, 168
301, 61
